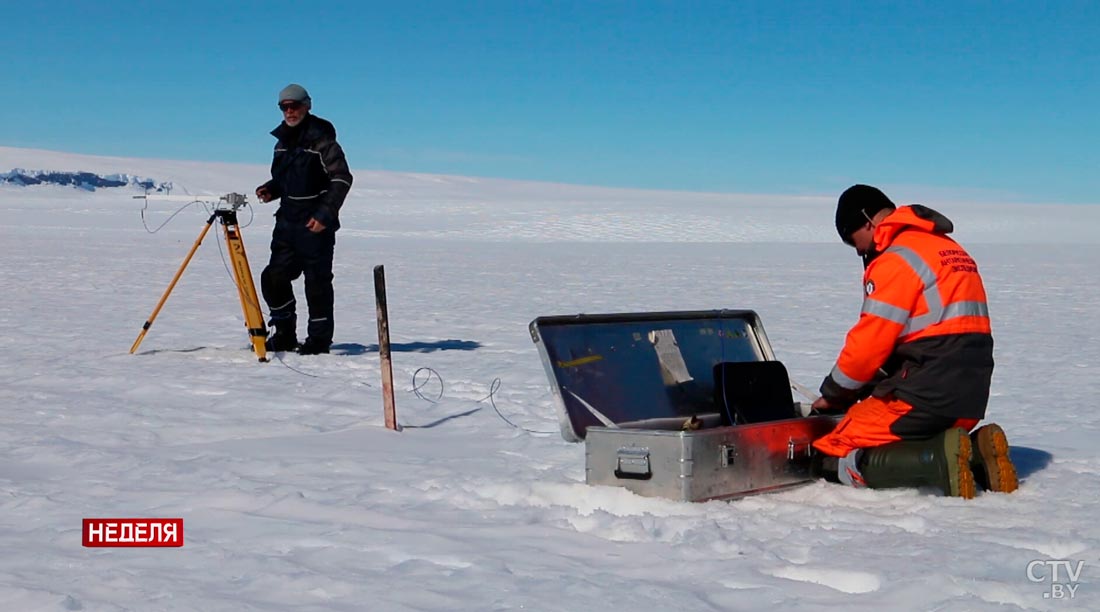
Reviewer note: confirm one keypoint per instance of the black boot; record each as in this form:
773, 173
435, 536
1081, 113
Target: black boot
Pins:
824, 466
285, 334
942, 462
314, 346
992, 467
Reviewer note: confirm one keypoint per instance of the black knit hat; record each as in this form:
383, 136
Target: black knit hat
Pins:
855, 208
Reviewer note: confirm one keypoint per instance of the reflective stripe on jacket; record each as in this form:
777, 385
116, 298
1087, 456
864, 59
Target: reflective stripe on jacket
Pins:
923, 334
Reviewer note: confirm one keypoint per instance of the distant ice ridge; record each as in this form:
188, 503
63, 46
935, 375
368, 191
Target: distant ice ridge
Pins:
87, 181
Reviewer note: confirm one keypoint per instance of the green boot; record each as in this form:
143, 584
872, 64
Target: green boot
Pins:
992, 467
942, 462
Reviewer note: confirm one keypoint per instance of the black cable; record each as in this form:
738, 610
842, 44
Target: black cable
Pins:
251, 216
416, 388
294, 369
491, 397
166, 221
725, 391
493, 387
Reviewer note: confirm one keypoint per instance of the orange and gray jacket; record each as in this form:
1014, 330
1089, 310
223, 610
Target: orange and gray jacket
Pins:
309, 172
923, 334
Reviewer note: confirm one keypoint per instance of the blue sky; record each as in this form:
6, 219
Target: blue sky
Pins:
993, 99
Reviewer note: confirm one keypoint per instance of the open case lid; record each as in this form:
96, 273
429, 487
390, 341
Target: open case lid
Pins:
642, 369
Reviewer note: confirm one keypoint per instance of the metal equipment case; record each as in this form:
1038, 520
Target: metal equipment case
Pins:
688, 405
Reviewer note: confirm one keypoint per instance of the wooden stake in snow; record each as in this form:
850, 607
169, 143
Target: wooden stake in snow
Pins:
384, 348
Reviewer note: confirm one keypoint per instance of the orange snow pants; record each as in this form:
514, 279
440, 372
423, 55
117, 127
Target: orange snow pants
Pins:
880, 420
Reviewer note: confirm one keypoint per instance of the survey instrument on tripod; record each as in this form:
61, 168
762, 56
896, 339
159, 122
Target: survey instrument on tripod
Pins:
225, 211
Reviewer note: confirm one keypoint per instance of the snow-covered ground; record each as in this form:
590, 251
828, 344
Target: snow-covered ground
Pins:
295, 497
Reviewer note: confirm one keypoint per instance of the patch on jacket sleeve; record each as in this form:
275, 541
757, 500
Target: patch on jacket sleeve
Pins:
869, 288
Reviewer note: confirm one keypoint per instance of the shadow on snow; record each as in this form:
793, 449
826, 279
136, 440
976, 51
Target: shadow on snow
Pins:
1029, 460
353, 348
438, 422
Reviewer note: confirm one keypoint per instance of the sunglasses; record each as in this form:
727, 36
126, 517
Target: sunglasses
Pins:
285, 106
847, 238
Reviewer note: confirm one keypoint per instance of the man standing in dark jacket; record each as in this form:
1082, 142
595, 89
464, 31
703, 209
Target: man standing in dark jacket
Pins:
310, 176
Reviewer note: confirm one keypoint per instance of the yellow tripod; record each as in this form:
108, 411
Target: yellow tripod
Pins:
225, 211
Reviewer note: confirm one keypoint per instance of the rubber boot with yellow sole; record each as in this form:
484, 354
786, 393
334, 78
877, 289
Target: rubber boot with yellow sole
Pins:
942, 462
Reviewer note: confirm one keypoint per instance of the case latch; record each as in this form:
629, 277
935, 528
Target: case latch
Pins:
727, 455
795, 448
633, 463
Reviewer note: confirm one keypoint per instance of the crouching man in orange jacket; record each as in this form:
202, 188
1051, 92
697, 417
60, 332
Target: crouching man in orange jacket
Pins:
915, 369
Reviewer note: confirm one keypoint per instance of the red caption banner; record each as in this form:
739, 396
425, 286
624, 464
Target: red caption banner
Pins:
129, 532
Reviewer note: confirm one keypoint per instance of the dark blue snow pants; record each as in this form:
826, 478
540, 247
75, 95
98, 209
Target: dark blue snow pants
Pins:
296, 251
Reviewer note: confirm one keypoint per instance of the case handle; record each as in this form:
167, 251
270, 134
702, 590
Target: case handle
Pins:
633, 464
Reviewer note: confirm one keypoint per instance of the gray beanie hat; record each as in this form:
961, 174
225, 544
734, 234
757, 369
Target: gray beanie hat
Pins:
294, 92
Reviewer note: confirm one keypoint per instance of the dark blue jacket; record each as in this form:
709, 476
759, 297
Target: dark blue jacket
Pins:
309, 172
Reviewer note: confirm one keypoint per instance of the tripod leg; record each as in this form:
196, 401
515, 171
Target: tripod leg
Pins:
172, 285
246, 289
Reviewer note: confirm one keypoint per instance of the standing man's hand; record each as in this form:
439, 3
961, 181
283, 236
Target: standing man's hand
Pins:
263, 194
315, 226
